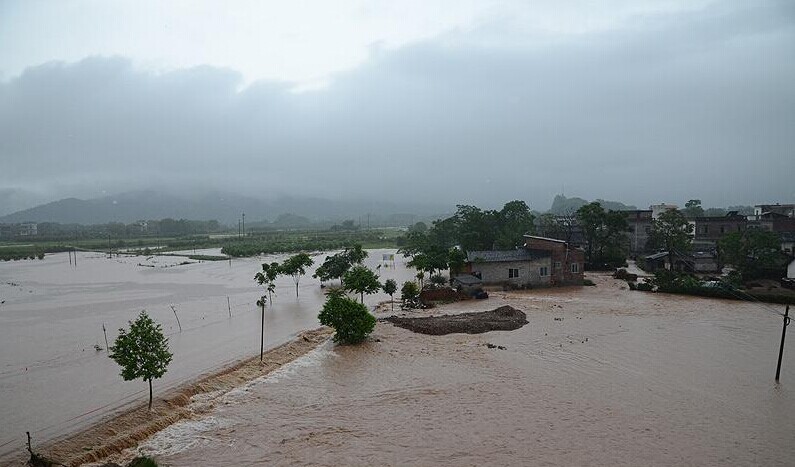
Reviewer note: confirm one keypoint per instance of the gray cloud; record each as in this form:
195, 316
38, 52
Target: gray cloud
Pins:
690, 105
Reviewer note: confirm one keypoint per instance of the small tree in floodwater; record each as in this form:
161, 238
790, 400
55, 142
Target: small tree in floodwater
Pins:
296, 266
142, 352
390, 287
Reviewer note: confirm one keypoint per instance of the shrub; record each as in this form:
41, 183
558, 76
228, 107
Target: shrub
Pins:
588, 282
350, 319
644, 287
438, 279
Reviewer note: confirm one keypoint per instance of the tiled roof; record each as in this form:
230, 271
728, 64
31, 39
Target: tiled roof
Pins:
499, 255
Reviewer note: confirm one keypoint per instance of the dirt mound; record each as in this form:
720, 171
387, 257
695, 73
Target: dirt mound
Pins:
504, 318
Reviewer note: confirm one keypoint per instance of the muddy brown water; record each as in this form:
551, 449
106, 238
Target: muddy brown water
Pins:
53, 382
599, 376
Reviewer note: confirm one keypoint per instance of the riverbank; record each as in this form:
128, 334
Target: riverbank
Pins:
113, 436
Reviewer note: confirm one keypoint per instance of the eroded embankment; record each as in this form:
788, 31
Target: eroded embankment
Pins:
128, 429
504, 318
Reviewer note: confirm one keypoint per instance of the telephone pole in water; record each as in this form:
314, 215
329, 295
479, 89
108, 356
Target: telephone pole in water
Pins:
783, 336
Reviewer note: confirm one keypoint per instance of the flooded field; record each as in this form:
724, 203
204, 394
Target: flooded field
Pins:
52, 379
599, 376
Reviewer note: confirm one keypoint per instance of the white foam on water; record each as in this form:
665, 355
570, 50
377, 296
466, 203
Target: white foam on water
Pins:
311, 359
182, 435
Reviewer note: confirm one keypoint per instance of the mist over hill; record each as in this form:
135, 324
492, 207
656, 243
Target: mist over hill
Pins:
226, 208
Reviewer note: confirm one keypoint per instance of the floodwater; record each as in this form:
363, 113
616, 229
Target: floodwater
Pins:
600, 376
53, 381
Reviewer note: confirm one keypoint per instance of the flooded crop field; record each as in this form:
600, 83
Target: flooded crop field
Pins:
599, 376
54, 382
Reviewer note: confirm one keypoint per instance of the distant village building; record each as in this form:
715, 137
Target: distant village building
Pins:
708, 230
639, 221
541, 262
701, 262
788, 243
785, 210
28, 229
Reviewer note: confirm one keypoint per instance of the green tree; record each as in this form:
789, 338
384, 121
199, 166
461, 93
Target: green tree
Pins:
693, 209
751, 251
362, 280
267, 277
591, 219
671, 231
409, 293
142, 352
390, 287
514, 221
355, 254
335, 266
350, 319
295, 266
604, 232
456, 260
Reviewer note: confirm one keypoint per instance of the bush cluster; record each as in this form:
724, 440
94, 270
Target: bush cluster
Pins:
351, 320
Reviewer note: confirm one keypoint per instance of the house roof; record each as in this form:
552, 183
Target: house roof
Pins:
535, 237
659, 255
492, 256
467, 279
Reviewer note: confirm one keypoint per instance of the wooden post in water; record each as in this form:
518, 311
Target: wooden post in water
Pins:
229, 306
783, 336
174, 309
104, 331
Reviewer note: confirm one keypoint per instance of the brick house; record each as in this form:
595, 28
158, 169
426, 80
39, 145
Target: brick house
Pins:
708, 230
567, 262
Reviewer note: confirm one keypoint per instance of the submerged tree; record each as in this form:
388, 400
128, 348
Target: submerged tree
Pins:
267, 277
390, 287
362, 280
295, 266
142, 352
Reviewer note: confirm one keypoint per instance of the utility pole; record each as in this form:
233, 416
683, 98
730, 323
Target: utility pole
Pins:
783, 336
244, 224
104, 331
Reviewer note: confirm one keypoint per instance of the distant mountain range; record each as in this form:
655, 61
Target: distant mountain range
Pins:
224, 207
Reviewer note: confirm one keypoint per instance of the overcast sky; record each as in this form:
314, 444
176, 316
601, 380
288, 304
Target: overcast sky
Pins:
451, 101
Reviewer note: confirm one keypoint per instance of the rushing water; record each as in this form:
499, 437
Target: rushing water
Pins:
624, 378
53, 381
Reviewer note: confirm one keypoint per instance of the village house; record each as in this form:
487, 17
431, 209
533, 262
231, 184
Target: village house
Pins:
541, 262
785, 210
518, 267
699, 262
708, 230
568, 263
639, 221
